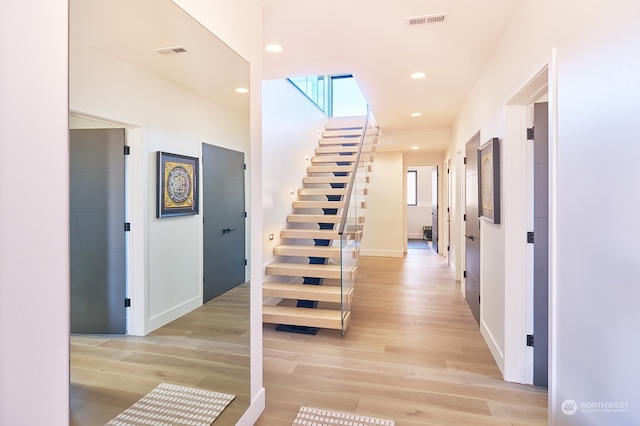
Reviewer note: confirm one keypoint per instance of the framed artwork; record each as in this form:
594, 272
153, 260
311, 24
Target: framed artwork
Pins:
177, 185
489, 181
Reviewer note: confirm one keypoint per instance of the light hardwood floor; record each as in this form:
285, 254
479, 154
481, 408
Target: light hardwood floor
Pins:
413, 353
207, 349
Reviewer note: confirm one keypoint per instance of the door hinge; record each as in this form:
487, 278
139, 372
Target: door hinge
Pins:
530, 340
245, 214
127, 150
478, 299
530, 133
464, 160
464, 217
244, 166
447, 248
464, 274
245, 262
127, 302
127, 227
530, 237
447, 171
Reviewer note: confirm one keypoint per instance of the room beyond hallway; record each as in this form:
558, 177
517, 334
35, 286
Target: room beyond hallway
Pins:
413, 353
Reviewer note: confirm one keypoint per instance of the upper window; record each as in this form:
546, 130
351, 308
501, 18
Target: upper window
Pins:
347, 99
335, 95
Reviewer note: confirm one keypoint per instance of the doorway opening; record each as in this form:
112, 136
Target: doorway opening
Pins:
421, 198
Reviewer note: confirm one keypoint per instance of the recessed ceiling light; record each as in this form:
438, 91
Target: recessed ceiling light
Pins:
242, 90
274, 48
416, 114
417, 75
415, 147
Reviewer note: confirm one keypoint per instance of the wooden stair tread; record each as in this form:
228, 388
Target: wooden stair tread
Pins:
320, 293
322, 191
313, 218
338, 141
311, 180
314, 251
330, 169
340, 133
333, 159
303, 204
323, 234
325, 179
311, 270
323, 318
336, 149
322, 218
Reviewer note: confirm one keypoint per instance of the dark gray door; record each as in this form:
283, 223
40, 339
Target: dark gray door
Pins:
472, 228
434, 209
97, 238
541, 244
224, 220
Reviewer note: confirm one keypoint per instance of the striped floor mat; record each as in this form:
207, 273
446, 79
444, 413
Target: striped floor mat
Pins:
308, 416
170, 405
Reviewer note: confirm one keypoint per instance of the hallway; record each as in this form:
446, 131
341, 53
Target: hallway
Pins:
412, 353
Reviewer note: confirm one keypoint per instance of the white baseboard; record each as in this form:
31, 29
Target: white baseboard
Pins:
254, 411
498, 355
172, 314
381, 253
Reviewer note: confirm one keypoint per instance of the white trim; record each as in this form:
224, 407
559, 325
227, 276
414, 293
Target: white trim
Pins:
135, 213
553, 230
515, 244
518, 360
494, 348
250, 417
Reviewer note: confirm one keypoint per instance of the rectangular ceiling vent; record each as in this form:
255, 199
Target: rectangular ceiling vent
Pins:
170, 50
427, 19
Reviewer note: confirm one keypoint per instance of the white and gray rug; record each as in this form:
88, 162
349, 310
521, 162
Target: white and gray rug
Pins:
171, 405
308, 416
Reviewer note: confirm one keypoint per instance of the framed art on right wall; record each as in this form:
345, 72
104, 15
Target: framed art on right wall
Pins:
489, 181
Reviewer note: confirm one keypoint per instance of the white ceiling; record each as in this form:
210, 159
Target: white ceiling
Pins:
130, 31
371, 40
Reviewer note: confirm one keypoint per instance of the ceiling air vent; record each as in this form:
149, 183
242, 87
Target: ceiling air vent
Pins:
170, 50
426, 19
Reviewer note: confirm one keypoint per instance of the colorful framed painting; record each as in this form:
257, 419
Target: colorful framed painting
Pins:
489, 181
177, 185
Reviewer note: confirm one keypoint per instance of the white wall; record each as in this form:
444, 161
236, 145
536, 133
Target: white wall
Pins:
290, 133
34, 234
171, 120
384, 228
594, 90
33, 84
420, 214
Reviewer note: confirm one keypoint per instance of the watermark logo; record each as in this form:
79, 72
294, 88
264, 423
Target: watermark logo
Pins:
569, 407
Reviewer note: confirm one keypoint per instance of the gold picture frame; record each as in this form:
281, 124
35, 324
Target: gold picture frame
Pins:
178, 185
489, 181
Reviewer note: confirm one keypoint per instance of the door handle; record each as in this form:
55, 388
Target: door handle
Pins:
227, 230
470, 237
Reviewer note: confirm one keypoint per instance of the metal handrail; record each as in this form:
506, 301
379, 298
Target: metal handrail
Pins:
347, 199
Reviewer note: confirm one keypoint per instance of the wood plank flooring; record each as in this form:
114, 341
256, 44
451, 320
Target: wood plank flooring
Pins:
207, 348
413, 353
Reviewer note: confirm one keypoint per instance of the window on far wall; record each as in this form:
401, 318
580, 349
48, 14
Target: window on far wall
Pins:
412, 187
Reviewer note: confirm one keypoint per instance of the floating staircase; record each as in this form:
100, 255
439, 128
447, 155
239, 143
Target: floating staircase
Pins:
311, 285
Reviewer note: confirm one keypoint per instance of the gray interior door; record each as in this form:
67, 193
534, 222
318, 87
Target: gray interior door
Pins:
224, 220
541, 244
97, 238
434, 209
472, 228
